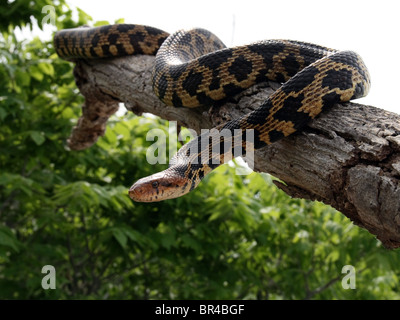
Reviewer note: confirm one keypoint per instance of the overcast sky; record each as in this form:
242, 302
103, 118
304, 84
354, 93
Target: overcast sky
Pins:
370, 28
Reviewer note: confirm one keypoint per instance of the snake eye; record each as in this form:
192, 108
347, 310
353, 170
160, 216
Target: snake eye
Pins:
154, 184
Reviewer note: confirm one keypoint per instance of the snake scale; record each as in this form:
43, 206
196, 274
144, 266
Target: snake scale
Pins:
194, 68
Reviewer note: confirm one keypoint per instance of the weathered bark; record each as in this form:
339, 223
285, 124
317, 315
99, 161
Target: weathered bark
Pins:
349, 157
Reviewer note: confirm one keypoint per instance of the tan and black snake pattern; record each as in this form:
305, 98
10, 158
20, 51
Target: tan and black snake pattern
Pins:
194, 68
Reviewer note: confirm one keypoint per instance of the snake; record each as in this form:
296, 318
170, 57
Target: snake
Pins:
194, 68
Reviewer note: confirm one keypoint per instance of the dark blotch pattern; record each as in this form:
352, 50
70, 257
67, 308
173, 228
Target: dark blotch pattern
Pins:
106, 50
153, 31
258, 143
176, 72
123, 28
290, 112
214, 61
95, 40
92, 52
241, 68
231, 89
113, 38
105, 29
192, 82
279, 77
258, 116
311, 53
134, 41
82, 45
301, 80
291, 65
216, 81
330, 99
267, 49
186, 39
275, 135
338, 79
176, 100
121, 49
204, 99
201, 174
162, 86
160, 42
199, 42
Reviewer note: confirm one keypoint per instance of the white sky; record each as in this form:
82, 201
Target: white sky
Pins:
371, 28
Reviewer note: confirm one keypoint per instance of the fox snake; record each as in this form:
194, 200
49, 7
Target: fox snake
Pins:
194, 68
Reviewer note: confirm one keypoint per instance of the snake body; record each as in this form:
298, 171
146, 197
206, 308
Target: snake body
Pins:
194, 68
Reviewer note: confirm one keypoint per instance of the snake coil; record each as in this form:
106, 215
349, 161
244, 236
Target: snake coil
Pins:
194, 68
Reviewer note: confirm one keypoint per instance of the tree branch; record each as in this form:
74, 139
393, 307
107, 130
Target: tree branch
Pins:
349, 157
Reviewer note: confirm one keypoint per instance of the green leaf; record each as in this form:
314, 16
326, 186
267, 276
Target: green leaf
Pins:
22, 78
46, 68
167, 240
133, 234
37, 137
8, 239
110, 137
191, 242
83, 17
119, 21
36, 73
122, 130
3, 114
333, 256
101, 23
120, 236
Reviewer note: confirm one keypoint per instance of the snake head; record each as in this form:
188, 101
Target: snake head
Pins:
159, 186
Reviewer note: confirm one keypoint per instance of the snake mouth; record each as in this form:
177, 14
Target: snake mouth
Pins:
135, 194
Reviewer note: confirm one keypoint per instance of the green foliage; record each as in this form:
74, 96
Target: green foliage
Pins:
21, 13
235, 237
